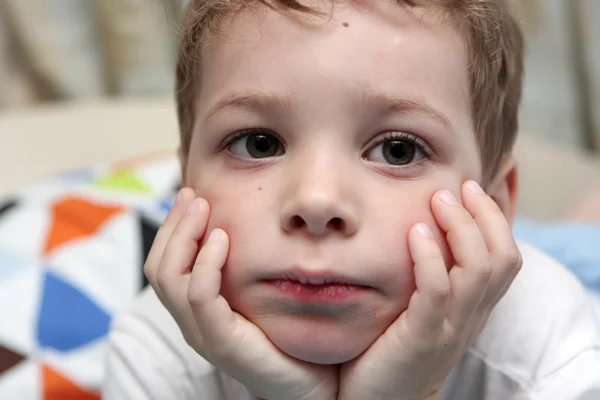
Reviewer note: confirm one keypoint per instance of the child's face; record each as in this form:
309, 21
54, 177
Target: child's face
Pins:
354, 123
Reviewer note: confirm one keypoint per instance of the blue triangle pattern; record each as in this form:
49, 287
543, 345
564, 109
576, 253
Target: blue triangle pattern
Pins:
11, 263
68, 318
166, 204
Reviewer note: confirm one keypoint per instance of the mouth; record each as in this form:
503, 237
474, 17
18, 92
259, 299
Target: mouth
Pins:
316, 287
315, 278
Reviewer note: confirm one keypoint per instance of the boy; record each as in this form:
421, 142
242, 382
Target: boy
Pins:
333, 241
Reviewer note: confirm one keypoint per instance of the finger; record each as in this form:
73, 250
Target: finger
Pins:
181, 250
469, 278
497, 233
182, 202
172, 277
428, 305
212, 313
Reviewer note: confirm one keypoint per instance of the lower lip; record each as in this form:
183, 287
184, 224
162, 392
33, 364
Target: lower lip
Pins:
317, 294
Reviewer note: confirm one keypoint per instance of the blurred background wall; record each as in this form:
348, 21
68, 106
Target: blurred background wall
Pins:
75, 50
80, 49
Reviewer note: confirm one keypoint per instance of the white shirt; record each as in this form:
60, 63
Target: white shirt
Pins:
542, 342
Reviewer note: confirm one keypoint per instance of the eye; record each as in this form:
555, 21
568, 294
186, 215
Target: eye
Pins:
255, 145
397, 148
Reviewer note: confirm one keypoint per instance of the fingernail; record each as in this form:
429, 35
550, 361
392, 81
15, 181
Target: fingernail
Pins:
424, 230
193, 208
448, 197
474, 187
215, 236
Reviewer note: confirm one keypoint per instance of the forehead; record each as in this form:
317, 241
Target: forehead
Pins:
374, 48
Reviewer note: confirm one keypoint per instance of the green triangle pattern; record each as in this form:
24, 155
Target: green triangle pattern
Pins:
123, 181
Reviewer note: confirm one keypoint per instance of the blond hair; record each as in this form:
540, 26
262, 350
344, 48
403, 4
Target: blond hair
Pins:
495, 65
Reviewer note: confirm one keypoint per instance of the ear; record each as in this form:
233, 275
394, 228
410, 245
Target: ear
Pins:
182, 166
504, 187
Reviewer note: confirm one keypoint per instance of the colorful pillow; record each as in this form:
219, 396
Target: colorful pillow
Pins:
71, 256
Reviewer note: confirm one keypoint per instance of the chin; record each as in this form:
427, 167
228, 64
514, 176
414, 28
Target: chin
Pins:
321, 339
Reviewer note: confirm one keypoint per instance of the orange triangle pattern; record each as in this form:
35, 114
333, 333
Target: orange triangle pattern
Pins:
74, 218
57, 387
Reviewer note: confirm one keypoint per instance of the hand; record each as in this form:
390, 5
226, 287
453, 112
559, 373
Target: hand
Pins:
187, 280
448, 310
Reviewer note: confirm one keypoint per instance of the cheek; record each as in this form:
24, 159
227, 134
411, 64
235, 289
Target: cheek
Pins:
242, 220
245, 212
416, 210
234, 203
426, 216
238, 220
403, 230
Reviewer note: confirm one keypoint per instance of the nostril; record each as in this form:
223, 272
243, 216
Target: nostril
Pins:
336, 224
297, 222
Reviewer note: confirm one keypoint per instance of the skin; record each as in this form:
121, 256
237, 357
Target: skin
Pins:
435, 250
326, 82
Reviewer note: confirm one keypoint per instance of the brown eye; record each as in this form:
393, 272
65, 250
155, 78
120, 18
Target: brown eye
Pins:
260, 146
257, 145
398, 149
397, 152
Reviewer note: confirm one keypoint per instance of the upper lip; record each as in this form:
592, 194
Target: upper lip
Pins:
315, 277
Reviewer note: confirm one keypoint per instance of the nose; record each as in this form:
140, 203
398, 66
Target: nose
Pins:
320, 200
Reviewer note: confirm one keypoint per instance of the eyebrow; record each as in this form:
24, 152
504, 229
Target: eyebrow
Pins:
391, 105
250, 100
385, 103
